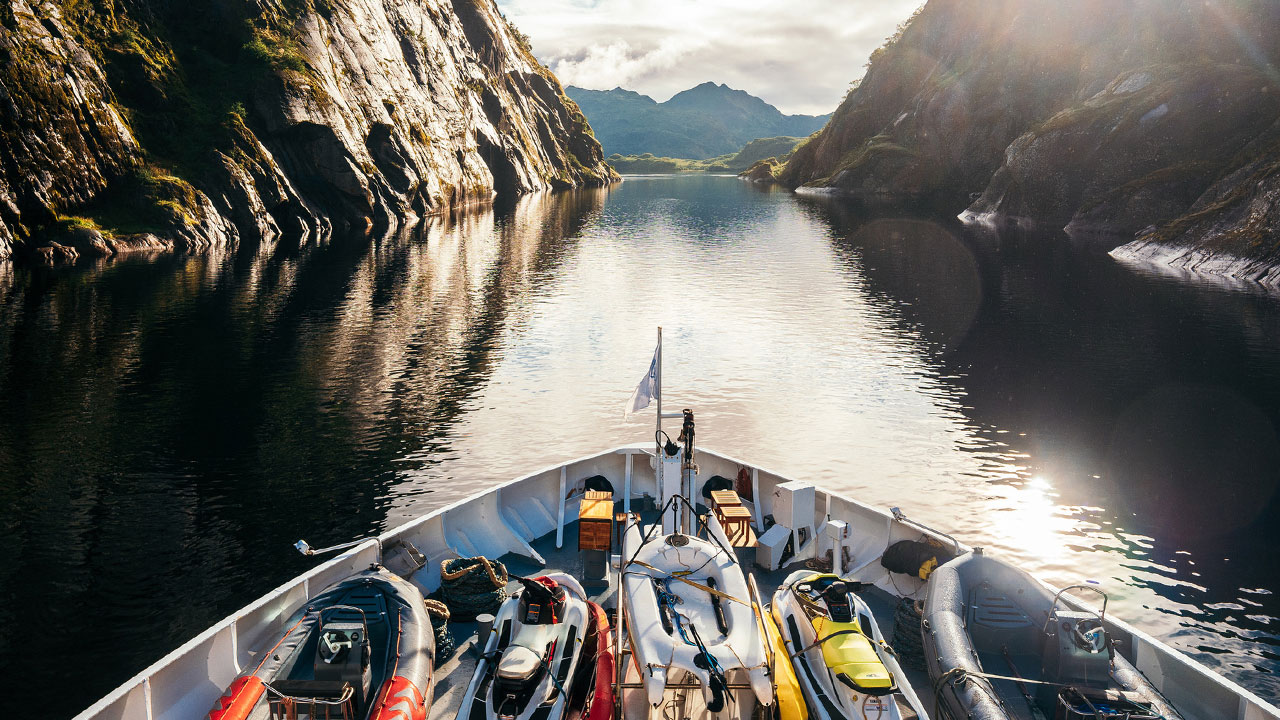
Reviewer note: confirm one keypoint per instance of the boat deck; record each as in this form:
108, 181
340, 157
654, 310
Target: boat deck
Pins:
453, 676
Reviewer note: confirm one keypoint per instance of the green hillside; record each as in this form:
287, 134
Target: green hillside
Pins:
754, 151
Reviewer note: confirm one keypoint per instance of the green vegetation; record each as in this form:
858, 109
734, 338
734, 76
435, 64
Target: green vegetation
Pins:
649, 163
145, 200
877, 147
753, 152
183, 84
272, 49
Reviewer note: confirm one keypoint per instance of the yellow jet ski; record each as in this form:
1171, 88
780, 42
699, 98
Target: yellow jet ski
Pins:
841, 660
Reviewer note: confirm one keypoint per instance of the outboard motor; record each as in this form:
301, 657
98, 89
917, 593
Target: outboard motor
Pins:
343, 652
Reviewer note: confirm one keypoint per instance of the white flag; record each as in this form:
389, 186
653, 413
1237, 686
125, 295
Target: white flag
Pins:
647, 388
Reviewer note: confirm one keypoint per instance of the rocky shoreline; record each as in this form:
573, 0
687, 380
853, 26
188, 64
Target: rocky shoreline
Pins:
1157, 120
1185, 261
150, 126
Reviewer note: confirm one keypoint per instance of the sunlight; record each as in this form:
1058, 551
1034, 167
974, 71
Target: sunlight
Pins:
1255, 53
1033, 523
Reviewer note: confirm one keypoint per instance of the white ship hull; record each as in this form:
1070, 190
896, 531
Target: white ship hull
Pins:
527, 518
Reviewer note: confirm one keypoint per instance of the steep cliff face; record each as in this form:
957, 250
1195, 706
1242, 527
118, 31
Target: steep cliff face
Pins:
164, 123
1142, 117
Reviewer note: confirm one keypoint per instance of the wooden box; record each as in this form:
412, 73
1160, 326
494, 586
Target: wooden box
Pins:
595, 521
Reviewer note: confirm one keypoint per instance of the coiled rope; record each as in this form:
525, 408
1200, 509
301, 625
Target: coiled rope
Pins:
907, 637
439, 613
472, 586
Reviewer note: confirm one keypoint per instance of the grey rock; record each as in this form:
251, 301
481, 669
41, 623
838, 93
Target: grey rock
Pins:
401, 108
1106, 118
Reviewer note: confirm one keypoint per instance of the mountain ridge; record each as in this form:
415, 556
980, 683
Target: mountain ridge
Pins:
700, 123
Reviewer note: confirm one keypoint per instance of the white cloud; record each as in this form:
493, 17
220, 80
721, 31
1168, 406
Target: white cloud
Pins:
799, 55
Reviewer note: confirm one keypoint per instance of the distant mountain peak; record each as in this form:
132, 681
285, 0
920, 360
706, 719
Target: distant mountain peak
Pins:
705, 121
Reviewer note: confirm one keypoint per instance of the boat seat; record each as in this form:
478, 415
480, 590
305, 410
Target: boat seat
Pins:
852, 657
518, 663
524, 655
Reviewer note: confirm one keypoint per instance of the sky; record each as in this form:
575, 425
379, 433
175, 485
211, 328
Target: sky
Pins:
799, 55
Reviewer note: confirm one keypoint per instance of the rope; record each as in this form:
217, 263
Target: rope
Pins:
475, 562
467, 592
439, 613
958, 676
907, 635
880, 643
687, 581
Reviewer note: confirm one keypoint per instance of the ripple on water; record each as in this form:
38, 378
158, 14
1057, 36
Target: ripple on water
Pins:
1084, 420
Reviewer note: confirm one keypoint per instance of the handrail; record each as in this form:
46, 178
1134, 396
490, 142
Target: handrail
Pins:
902, 518
363, 617
1102, 617
288, 704
347, 692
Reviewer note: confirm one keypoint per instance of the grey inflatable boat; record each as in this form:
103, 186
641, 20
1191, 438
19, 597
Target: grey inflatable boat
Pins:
1001, 645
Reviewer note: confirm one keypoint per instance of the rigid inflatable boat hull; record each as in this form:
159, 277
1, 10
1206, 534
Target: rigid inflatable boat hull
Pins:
404, 687
1007, 621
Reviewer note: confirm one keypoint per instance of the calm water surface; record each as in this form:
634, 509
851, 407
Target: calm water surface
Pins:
168, 428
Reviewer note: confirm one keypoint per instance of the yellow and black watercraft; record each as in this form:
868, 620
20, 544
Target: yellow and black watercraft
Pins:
840, 658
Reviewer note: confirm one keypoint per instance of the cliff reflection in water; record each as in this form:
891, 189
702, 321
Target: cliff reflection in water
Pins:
169, 427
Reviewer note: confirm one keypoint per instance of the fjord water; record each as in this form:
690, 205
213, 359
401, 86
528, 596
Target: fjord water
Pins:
170, 426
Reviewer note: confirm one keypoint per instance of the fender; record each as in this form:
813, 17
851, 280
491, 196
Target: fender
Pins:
399, 699
238, 701
599, 705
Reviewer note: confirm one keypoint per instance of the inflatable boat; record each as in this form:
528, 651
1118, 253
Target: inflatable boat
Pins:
362, 648
841, 659
689, 616
1000, 645
548, 656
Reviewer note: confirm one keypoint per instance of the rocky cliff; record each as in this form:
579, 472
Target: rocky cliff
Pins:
157, 124
1153, 119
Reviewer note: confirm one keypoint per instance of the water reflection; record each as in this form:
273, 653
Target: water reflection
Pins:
169, 428
1131, 420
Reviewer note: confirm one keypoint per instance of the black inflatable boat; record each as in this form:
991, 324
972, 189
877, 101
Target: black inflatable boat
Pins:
1000, 645
363, 648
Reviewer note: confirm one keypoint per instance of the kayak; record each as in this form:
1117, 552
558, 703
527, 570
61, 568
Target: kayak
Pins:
687, 609
789, 696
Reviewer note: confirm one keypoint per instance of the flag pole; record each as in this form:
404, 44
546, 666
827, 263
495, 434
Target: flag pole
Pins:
657, 391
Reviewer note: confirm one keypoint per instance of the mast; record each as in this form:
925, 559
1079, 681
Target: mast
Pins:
657, 391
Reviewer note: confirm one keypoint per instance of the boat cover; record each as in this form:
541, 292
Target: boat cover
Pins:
655, 566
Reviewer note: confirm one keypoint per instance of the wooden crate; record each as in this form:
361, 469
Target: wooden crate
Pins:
595, 521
